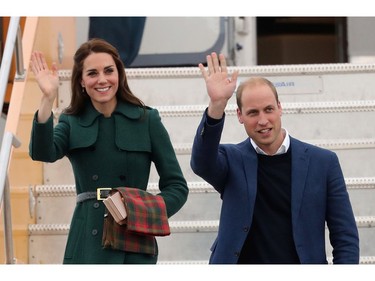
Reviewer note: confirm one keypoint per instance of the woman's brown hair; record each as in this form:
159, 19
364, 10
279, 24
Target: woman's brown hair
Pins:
79, 97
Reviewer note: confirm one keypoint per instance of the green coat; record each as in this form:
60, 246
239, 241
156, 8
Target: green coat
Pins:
109, 152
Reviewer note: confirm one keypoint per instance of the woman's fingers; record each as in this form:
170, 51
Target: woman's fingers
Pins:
54, 68
38, 62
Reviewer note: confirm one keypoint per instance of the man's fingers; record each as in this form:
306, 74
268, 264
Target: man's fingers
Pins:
234, 76
215, 64
210, 65
203, 71
223, 63
215, 61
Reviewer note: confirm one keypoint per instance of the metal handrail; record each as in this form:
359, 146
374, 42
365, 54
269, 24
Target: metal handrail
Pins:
20, 69
9, 140
13, 37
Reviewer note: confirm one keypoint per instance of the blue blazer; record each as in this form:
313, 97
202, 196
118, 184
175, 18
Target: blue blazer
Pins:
319, 197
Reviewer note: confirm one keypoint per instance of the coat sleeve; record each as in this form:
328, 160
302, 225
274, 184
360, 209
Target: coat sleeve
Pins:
49, 143
172, 183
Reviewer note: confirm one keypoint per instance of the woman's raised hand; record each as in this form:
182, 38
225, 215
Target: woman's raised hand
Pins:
47, 79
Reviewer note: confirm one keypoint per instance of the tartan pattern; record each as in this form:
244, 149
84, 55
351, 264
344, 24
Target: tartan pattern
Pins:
146, 218
147, 213
117, 237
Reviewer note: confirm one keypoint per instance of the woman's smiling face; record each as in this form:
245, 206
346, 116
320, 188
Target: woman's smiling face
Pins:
100, 78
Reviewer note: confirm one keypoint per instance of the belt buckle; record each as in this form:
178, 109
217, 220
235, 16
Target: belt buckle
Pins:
99, 192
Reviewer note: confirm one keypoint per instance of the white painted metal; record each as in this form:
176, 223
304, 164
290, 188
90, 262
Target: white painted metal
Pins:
6, 59
9, 141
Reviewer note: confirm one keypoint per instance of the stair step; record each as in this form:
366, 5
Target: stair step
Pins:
350, 152
203, 202
189, 241
198, 187
183, 262
175, 226
289, 108
362, 260
327, 120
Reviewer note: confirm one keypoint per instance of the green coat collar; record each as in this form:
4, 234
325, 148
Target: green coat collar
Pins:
132, 130
90, 114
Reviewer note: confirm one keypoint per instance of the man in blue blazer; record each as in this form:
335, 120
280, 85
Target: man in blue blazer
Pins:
278, 193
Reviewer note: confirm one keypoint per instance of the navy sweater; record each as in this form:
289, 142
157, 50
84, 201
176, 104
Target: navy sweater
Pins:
270, 240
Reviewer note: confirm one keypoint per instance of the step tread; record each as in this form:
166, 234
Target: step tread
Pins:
265, 70
194, 187
177, 226
288, 108
362, 260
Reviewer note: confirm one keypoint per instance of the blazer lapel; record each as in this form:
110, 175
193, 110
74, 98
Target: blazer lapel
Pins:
300, 165
250, 164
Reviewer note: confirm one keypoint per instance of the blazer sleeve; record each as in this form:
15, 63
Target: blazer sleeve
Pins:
340, 217
208, 159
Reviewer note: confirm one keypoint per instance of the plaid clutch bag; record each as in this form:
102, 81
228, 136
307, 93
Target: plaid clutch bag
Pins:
146, 218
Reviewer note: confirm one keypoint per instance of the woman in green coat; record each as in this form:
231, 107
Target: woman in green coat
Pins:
111, 138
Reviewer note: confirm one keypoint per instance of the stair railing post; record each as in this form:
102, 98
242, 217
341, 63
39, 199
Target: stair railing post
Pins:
9, 140
8, 229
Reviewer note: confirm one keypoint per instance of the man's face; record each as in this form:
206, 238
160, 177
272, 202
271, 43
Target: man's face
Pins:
261, 116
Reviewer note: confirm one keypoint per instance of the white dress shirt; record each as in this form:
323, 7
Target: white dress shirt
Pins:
282, 149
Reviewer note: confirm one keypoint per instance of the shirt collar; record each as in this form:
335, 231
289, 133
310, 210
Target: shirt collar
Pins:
282, 149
